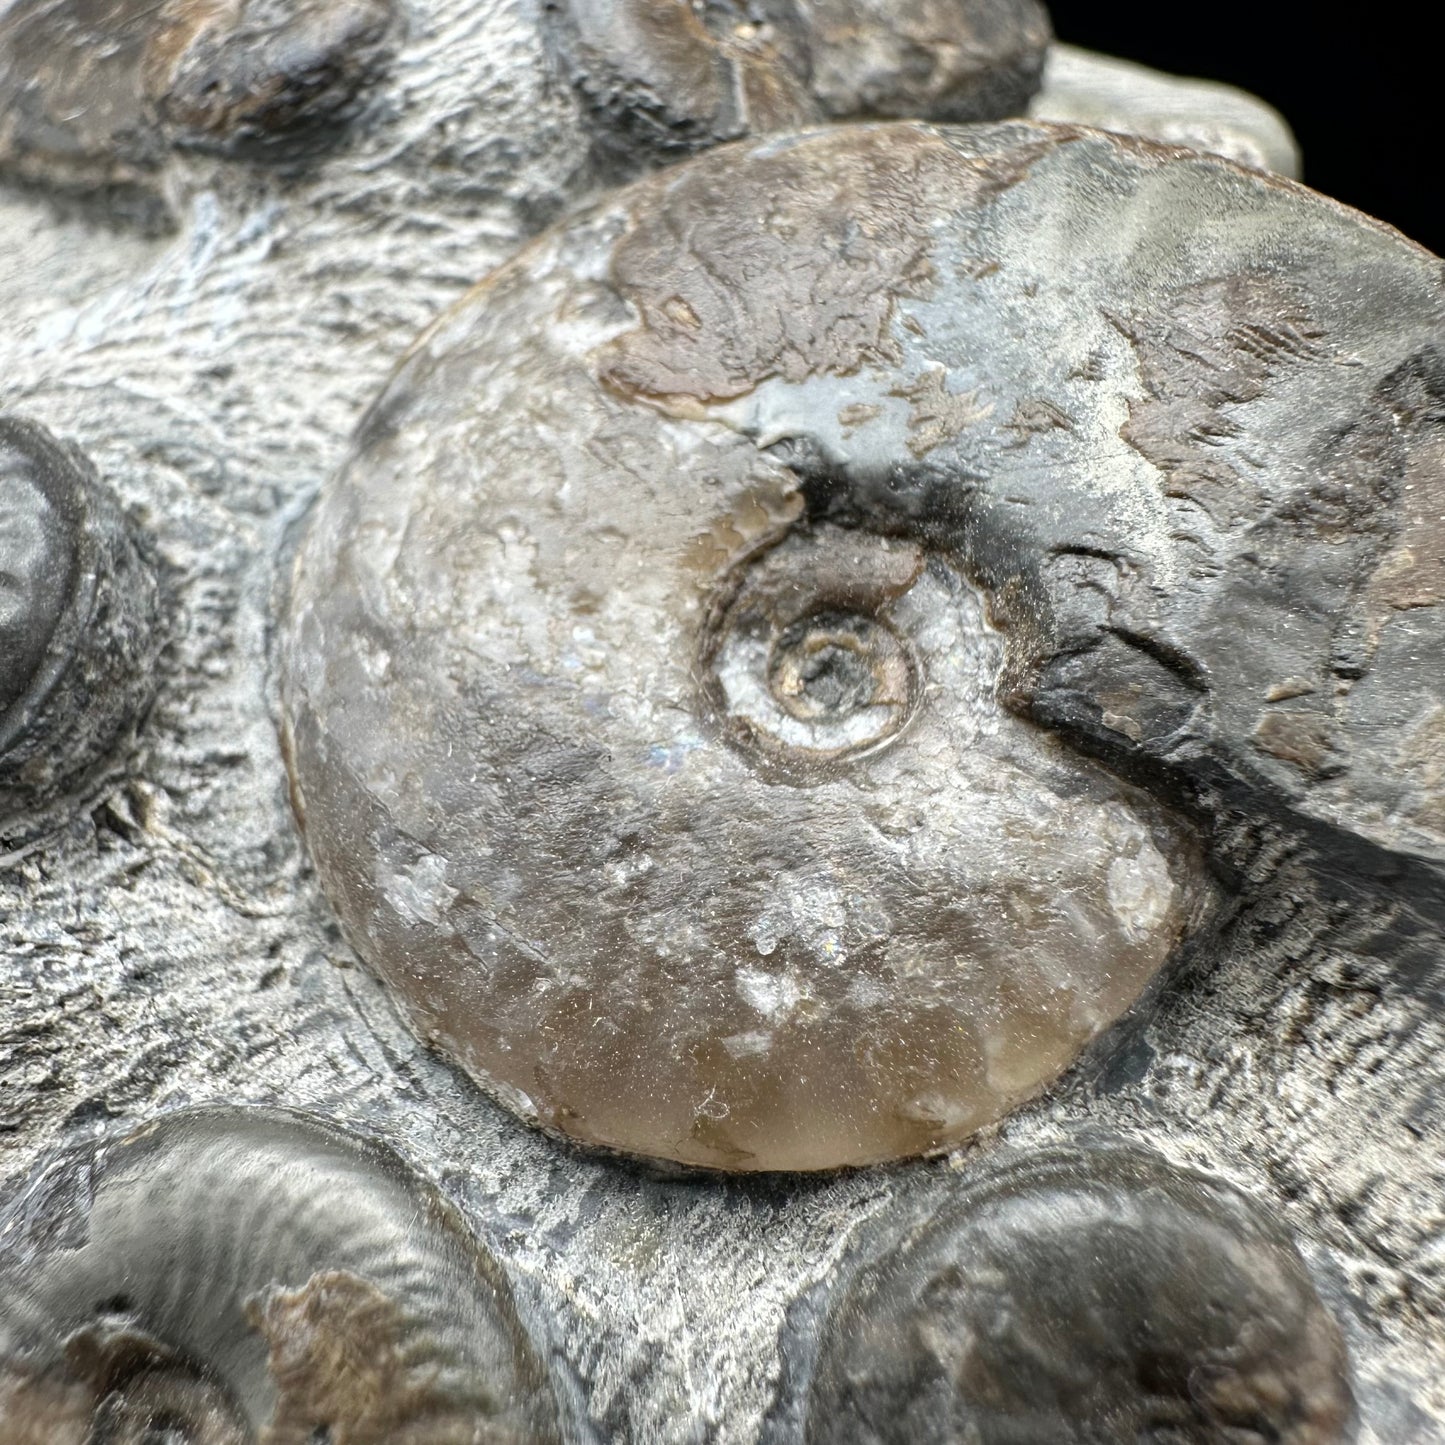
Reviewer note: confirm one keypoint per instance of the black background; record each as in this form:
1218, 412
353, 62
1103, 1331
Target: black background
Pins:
1358, 90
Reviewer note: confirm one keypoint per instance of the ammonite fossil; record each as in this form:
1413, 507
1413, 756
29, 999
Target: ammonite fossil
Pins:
78, 627
93, 93
654, 664
667, 781
231, 1276
172, 944
1079, 1296
666, 77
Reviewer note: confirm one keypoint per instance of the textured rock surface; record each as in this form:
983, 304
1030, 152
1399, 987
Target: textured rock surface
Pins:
1080, 1296
1083, 88
257, 1266
835, 905
666, 77
79, 630
172, 946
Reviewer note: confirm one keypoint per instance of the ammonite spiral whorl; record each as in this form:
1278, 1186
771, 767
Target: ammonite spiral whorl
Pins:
653, 747
234, 1276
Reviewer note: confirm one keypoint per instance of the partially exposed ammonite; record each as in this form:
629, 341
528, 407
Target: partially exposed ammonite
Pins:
671, 76
78, 628
1082, 1296
233, 1276
1082, 88
93, 92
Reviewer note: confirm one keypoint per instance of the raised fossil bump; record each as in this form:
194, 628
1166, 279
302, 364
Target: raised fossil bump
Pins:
662, 76
79, 628
1079, 1295
672, 77
667, 786
266, 1278
94, 93
253, 74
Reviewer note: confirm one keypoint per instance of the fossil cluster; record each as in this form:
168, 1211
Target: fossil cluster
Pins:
612, 609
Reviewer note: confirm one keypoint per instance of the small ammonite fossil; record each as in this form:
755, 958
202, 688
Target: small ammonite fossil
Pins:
263, 75
671, 76
233, 1276
1084, 1296
94, 93
79, 606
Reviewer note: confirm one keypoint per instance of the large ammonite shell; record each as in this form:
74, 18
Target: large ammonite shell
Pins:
79, 607
654, 666
1077, 1296
232, 1276
666, 783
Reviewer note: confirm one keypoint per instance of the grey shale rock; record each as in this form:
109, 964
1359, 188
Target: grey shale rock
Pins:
171, 945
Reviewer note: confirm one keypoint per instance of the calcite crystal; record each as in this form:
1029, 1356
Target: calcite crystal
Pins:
230, 1275
663, 774
1081, 1295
